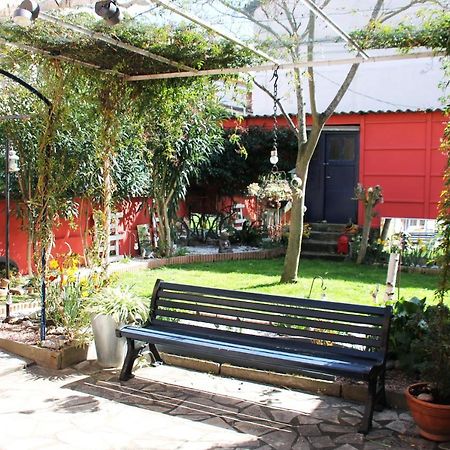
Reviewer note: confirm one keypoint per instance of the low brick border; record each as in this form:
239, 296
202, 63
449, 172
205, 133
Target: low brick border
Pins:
216, 257
52, 359
20, 306
340, 389
197, 258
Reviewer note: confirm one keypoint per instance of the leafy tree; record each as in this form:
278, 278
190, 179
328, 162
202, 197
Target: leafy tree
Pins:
182, 130
286, 31
232, 171
48, 155
432, 33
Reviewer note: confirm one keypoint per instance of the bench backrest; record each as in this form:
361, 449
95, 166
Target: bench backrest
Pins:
315, 325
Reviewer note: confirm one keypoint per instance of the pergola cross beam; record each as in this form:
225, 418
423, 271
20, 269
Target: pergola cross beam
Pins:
114, 42
286, 66
50, 55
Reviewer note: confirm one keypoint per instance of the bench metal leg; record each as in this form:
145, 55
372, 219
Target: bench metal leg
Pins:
366, 422
132, 354
155, 354
381, 394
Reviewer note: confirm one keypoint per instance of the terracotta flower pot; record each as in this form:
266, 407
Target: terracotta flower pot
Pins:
432, 419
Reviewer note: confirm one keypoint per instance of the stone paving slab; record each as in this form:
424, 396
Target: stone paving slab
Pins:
11, 363
168, 407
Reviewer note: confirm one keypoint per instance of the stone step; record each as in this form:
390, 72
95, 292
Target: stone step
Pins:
321, 246
325, 226
322, 255
325, 235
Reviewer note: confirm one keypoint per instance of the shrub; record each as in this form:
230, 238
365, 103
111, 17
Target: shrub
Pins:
406, 327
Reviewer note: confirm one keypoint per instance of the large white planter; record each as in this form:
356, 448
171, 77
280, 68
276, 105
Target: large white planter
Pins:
110, 349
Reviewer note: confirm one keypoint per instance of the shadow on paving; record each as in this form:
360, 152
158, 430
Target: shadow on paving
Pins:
330, 425
270, 425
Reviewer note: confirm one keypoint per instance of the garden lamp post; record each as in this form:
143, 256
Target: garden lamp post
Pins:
11, 166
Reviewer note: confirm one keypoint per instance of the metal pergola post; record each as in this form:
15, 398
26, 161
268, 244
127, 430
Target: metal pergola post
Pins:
8, 303
42, 97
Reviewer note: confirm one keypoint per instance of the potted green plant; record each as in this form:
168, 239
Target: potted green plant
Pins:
429, 401
110, 309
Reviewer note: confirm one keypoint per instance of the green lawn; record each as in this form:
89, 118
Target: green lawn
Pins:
345, 281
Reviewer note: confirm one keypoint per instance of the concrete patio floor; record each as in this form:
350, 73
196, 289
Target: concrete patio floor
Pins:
168, 407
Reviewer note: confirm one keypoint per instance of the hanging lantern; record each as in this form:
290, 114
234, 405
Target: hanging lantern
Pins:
273, 158
274, 189
13, 162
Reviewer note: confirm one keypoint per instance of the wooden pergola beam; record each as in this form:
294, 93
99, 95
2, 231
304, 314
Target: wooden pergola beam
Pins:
286, 66
114, 42
31, 49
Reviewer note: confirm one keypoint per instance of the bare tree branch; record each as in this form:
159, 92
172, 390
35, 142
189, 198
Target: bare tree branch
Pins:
253, 20
306, 32
280, 105
376, 10
301, 115
273, 18
340, 93
391, 14
290, 17
310, 47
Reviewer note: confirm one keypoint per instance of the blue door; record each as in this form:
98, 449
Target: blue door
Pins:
332, 178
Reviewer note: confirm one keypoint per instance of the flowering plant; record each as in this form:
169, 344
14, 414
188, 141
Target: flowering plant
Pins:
275, 188
67, 294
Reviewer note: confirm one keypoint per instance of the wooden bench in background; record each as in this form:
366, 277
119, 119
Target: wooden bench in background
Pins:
268, 332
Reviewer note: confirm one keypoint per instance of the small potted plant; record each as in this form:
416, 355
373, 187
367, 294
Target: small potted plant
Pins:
110, 309
274, 189
429, 401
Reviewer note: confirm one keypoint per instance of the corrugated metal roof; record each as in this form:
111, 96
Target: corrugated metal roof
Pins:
346, 113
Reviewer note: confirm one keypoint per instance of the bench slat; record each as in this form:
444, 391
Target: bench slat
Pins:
232, 353
349, 307
293, 319
267, 332
291, 344
277, 308
347, 339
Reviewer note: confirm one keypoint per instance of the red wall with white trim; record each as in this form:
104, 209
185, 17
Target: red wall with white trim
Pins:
399, 151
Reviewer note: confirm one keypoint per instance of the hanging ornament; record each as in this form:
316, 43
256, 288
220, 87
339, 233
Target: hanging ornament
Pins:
274, 153
274, 189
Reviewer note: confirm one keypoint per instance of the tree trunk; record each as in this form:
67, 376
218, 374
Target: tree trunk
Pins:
391, 279
84, 232
107, 200
292, 258
387, 224
166, 224
365, 235
304, 155
30, 251
165, 239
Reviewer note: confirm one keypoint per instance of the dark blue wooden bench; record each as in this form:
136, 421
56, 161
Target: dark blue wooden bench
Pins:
268, 332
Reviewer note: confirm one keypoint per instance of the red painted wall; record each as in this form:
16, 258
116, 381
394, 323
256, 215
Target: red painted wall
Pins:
401, 153
68, 237
398, 151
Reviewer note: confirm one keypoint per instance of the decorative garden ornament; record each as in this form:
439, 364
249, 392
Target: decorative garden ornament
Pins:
13, 163
26, 13
109, 11
275, 188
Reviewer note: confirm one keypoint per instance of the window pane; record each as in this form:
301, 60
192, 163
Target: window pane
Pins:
341, 148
